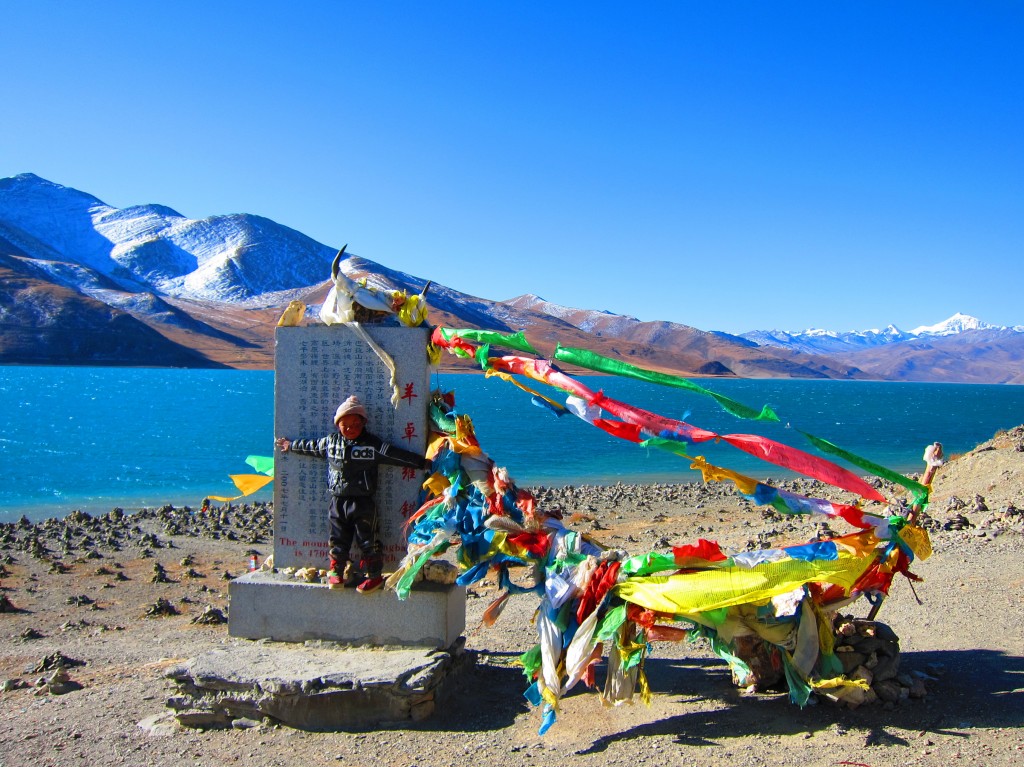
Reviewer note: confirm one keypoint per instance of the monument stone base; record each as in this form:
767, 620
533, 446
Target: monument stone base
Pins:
314, 687
272, 605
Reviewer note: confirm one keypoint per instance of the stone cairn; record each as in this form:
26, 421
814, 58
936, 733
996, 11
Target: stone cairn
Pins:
868, 650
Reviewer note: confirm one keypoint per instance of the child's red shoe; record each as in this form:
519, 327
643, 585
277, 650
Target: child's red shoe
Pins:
372, 583
334, 575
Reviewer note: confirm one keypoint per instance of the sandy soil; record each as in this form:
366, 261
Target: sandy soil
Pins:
91, 607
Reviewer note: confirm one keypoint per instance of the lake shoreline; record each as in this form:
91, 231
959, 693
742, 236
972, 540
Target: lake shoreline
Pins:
93, 439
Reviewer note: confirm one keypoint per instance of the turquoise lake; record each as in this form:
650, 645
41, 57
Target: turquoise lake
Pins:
95, 438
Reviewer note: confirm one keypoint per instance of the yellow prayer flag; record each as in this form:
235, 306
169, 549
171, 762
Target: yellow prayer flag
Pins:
246, 483
713, 589
918, 541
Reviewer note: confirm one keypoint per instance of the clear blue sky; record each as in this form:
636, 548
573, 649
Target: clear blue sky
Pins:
729, 166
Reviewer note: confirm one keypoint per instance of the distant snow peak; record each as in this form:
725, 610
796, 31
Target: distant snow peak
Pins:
958, 323
818, 341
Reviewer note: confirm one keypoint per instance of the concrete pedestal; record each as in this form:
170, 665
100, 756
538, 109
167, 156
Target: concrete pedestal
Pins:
267, 605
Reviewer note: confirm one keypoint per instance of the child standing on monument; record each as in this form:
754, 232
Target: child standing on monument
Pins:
353, 456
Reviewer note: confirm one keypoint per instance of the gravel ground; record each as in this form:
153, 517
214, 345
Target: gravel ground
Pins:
83, 587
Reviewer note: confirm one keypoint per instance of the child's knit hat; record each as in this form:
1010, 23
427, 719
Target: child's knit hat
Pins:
351, 406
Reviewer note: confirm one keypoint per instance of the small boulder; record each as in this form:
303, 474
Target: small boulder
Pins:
888, 691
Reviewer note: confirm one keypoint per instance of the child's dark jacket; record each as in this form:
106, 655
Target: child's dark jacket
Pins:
352, 463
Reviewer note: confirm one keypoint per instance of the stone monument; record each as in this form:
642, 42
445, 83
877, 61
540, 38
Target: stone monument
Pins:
317, 367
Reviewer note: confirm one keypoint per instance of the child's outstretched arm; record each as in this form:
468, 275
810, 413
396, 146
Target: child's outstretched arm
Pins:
397, 456
317, 447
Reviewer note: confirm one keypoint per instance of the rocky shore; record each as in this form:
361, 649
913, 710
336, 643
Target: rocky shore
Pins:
95, 609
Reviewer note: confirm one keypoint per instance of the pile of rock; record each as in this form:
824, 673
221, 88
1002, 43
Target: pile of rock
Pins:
1004, 519
55, 679
870, 651
957, 522
210, 616
160, 609
987, 523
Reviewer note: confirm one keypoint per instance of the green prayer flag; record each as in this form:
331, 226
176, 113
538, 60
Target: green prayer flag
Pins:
611, 623
482, 353
441, 420
919, 491
799, 689
531, 661
722, 650
262, 463
515, 341
671, 445
648, 564
593, 361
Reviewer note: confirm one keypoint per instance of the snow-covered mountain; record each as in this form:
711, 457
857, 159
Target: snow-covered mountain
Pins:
960, 323
816, 341
83, 282
79, 239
